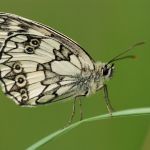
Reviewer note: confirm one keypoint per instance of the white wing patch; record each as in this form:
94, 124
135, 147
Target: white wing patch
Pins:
4, 70
9, 82
65, 68
64, 89
53, 43
19, 38
4, 58
74, 60
51, 87
34, 77
35, 89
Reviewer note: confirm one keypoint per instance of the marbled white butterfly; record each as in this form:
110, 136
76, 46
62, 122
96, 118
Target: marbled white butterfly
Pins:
39, 65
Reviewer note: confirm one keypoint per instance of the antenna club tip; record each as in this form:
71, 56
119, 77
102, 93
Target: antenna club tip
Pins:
140, 43
134, 57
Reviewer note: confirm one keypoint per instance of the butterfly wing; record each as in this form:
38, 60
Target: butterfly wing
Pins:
37, 64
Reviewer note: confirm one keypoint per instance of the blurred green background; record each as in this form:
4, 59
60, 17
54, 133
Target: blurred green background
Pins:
104, 28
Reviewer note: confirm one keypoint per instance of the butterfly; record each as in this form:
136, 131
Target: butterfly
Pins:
39, 65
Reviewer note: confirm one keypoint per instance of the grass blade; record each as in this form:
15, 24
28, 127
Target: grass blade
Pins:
130, 112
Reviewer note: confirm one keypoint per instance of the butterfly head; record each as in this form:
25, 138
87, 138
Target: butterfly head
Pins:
107, 68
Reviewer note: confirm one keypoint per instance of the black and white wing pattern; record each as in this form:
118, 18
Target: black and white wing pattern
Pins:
38, 65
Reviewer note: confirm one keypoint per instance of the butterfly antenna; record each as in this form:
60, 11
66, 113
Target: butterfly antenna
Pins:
116, 58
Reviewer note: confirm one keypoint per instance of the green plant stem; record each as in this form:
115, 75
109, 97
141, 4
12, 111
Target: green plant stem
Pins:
130, 112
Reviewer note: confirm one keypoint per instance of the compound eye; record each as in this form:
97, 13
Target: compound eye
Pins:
105, 71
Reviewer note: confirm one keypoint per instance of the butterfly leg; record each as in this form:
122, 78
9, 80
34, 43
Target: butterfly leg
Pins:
80, 104
73, 112
107, 101
81, 112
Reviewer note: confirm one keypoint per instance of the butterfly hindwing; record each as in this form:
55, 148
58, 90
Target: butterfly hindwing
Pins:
37, 64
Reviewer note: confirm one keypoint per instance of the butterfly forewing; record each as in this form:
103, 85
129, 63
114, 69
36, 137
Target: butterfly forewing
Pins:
37, 64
